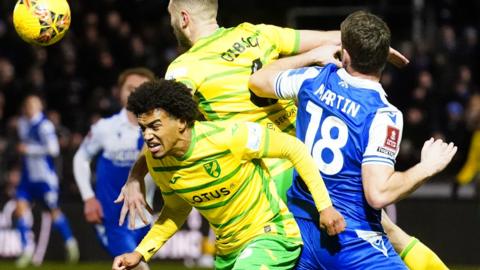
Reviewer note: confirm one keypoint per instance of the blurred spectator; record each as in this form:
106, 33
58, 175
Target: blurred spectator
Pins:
471, 167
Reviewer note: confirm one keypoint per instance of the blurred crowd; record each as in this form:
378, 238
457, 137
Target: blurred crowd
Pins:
77, 79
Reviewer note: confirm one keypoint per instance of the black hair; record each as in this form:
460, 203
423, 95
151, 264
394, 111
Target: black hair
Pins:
173, 97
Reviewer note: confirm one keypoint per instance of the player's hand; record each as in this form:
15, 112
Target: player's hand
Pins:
326, 54
93, 211
332, 221
133, 203
396, 58
126, 261
436, 155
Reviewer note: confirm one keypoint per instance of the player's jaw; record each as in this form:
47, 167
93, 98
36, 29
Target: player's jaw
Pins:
182, 39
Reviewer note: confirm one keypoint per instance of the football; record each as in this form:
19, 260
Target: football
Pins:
41, 22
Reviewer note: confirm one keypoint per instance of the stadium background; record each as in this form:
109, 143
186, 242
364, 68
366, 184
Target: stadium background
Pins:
77, 78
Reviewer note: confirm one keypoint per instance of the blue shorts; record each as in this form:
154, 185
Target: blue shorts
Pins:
42, 192
118, 240
352, 249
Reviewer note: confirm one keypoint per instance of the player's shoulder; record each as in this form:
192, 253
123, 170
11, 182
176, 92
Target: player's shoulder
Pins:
257, 27
250, 27
108, 123
213, 127
388, 114
184, 65
303, 73
182, 59
46, 125
384, 106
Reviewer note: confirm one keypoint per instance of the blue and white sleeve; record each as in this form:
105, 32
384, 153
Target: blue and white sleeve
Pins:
384, 138
91, 145
288, 83
49, 141
93, 142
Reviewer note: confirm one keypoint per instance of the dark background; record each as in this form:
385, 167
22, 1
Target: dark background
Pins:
77, 78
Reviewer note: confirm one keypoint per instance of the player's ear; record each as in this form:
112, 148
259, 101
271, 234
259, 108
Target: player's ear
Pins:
182, 126
345, 58
185, 19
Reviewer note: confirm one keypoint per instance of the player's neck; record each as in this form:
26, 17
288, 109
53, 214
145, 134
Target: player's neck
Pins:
204, 30
371, 77
183, 144
132, 119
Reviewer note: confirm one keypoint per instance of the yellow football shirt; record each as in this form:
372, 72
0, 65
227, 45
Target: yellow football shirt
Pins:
217, 68
225, 180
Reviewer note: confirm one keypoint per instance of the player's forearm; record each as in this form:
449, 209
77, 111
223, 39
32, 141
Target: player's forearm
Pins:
397, 186
289, 147
82, 174
262, 82
35, 150
168, 223
310, 39
138, 171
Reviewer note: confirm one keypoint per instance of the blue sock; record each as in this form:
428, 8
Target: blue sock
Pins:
61, 224
24, 227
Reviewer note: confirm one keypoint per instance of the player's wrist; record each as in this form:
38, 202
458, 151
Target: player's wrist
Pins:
89, 199
424, 170
323, 207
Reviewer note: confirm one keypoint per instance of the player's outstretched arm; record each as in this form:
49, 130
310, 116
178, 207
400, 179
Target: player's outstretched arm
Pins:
92, 208
133, 194
263, 82
289, 147
383, 186
310, 39
252, 141
174, 213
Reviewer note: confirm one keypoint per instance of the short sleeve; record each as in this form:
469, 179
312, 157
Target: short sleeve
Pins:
384, 137
288, 83
249, 140
286, 40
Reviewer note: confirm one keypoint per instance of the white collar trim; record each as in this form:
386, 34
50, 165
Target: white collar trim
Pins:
359, 82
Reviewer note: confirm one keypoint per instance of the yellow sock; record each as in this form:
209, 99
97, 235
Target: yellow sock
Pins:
417, 256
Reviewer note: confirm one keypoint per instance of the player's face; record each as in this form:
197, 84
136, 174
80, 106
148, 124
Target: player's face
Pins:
160, 132
131, 83
32, 106
175, 22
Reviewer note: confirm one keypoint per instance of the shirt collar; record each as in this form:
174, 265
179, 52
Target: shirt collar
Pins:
360, 82
36, 118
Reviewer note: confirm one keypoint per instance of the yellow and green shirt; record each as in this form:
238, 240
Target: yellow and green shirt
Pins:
222, 175
217, 68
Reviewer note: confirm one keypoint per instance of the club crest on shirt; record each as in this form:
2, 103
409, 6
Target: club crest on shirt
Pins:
393, 135
212, 168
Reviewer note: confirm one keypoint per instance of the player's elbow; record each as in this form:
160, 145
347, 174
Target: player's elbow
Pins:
376, 198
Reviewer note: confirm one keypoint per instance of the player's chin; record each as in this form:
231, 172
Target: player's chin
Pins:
158, 154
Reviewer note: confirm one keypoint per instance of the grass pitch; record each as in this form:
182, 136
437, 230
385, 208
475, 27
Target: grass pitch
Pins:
10, 265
